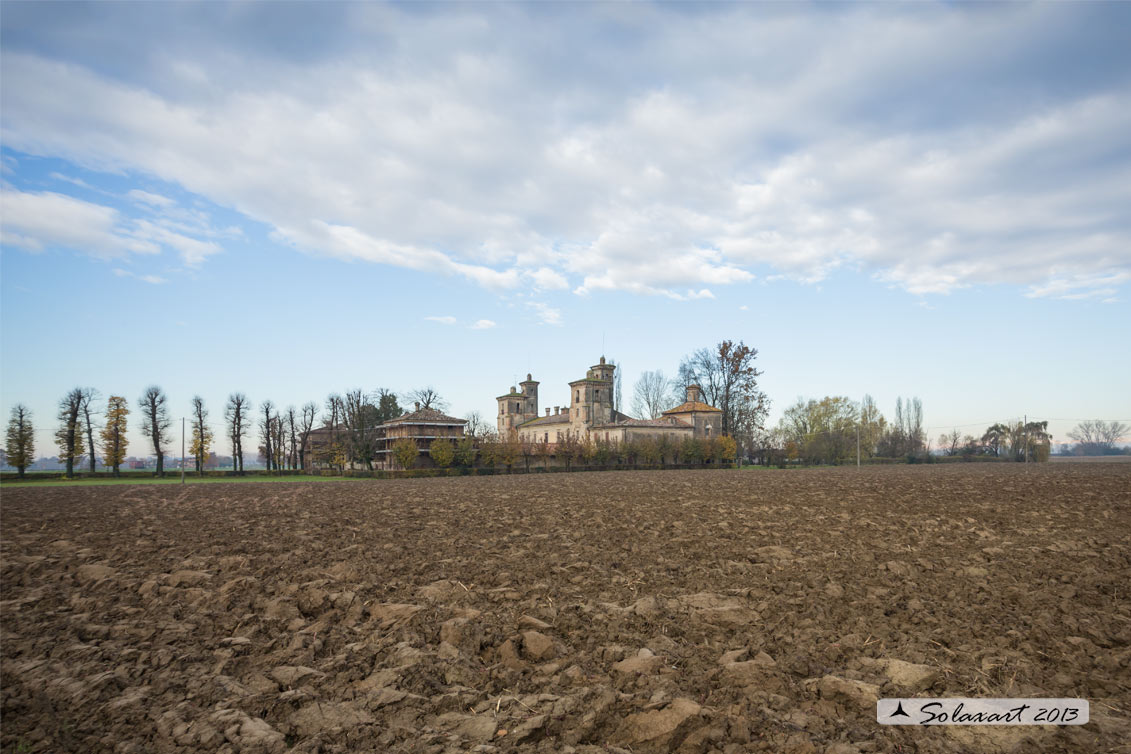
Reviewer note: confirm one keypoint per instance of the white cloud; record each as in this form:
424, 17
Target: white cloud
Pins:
34, 221
151, 279
442, 320
483, 324
153, 200
546, 314
471, 148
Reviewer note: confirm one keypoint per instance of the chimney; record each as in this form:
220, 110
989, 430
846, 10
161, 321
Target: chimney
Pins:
692, 393
547, 410
557, 410
417, 404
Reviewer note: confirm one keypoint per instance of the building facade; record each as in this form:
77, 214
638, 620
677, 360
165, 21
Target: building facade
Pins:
421, 425
590, 414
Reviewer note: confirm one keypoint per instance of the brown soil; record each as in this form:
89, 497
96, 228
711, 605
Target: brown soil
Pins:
639, 611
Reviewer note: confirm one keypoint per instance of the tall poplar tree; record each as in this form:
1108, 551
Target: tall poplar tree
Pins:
114, 440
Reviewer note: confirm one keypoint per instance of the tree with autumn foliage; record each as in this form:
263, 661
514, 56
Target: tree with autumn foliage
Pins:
405, 452
201, 433
442, 452
114, 440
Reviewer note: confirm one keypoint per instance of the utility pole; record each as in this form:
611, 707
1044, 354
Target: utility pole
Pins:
182, 450
1025, 429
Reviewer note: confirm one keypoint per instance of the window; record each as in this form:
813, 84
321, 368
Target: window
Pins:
577, 396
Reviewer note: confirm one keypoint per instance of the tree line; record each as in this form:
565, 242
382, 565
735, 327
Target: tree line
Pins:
282, 435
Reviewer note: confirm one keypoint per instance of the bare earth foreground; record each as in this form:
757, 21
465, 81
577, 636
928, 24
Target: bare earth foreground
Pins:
664, 611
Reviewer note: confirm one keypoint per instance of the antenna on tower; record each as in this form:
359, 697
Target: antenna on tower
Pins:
602, 342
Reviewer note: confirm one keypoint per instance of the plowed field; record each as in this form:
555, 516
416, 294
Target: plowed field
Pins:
638, 611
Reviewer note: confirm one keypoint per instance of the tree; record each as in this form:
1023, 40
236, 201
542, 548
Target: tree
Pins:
155, 422
427, 397
651, 395
309, 416
510, 448
201, 433
1029, 441
405, 452
89, 395
618, 403
729, 382
335, 453
267, 432
995, 438
823, 431
292, 429
114, 439
692, 450
465, 451
475, 425
950, 443
361, 424
905, 436
69, 435
237, 416
20, 443
724, 448
872, 426
387, 406
544, 452
1095, 437
442, 452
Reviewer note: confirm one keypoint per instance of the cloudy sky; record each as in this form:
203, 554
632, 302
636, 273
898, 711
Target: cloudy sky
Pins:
291, 199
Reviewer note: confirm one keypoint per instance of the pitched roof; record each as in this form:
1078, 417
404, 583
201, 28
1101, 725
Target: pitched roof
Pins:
425, 416
690, 406
628, 421
562, 418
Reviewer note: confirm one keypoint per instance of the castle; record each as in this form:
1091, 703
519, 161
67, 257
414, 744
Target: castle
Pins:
590, 414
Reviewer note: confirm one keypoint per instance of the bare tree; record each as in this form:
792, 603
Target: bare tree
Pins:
475, 424
427, 397
729, 382
361, 427
1096, 437
618, 402
237, 415
155, 422
68, 436
651, 395
292, 428
309, 416
89, 396
336, 410
266, 432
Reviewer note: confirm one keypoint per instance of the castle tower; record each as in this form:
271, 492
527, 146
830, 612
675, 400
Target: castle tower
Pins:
591, 399
530, 394
517, 407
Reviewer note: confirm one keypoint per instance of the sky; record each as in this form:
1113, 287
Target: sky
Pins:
291, 199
